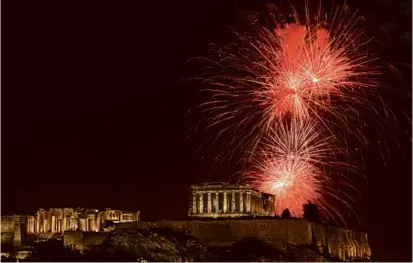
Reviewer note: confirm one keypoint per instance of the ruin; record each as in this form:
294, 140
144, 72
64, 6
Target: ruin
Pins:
16, 228
58, 220
229, 200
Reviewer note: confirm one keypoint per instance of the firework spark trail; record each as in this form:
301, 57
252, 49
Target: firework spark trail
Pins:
294, 183
290, 165
298, 72
290, 71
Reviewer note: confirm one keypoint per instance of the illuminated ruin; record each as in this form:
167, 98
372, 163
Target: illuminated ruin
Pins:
227, 200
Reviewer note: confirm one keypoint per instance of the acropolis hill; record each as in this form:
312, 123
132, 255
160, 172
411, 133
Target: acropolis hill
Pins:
232, 213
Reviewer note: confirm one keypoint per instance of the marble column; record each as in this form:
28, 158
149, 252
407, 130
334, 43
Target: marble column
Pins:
209, 203
93, 224
29, 225
53, 225
45, 225
82, 224
64, 223
248, 208
233, 202
241, 202
224, 207
216, 202
38, 224
201, 202
97, 229
194, 203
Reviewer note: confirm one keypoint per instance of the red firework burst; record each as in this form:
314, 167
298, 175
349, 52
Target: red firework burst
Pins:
303, 71
293, 182
290, 165
300, 72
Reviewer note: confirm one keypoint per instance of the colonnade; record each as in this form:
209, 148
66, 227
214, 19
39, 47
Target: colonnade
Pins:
59, 224
224, 201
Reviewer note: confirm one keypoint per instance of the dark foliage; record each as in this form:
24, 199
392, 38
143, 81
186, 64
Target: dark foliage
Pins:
286, 214
311, 213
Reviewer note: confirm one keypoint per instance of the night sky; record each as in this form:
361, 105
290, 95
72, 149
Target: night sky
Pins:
95, 114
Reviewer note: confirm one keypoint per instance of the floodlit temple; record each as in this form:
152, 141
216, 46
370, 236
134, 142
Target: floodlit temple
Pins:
58, 220
227, 200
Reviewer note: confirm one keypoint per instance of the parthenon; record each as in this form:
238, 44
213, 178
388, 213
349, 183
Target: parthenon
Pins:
226, 200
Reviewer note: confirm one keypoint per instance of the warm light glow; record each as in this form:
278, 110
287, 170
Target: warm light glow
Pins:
315, 80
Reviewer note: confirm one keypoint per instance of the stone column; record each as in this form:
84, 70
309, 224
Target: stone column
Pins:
53, 227
38, 223
93, 224
29, 226
45, 225
241, 202
194, 204
201, 202
248, 208
233, 202
209, 203
97, 229
216, 202
64, 222
224, 207
82, 224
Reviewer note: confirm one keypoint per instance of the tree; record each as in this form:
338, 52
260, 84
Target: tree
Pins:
286, 214
311, 213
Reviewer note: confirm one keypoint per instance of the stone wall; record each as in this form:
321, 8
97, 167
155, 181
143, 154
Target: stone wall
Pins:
13, 229
83, 240
7, 229
337, 242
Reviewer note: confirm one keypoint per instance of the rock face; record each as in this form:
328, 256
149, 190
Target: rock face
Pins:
253, 240
164, 244
331, 241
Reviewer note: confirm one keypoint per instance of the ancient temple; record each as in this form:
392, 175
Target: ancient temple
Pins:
228, 200
59, 220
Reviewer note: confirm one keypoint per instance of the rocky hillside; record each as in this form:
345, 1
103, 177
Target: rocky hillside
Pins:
167, 245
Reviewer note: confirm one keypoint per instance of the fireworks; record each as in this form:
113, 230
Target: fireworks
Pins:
293, 182
293, 85
289, 165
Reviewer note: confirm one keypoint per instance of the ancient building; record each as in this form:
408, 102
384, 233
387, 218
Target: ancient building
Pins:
226, 200
58, 220
16, 228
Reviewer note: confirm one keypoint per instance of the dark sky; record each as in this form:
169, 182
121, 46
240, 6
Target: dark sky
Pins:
94, 113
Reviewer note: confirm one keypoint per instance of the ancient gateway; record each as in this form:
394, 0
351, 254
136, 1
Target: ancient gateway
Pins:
227, 200
58, 220
16, 228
